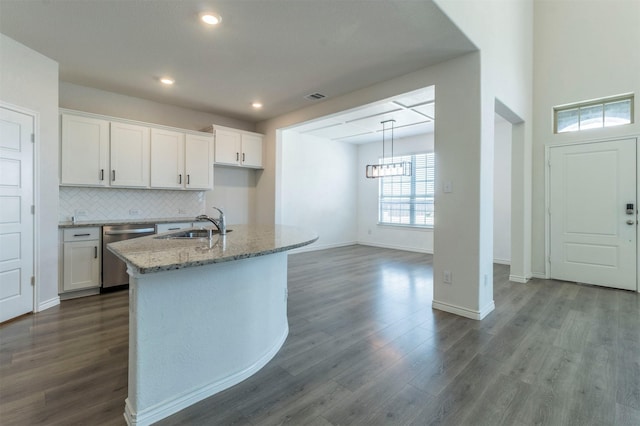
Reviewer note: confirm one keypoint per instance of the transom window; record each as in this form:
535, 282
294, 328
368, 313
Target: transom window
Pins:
408, 200
592, 115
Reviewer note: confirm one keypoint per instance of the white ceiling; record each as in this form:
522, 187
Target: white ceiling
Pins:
274, 51
413, 112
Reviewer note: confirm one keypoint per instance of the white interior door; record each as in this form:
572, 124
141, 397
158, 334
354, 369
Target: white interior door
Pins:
593, 238
16, 220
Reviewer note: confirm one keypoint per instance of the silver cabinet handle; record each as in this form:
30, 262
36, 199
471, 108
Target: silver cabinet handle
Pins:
237, 156
81, 235
243, 157
113, 172
101, 174
95, 252
180, 178
188, 179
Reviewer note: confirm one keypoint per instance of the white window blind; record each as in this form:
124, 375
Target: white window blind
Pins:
408, 200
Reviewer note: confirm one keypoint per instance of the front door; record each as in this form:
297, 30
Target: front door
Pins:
593, 213
16, 220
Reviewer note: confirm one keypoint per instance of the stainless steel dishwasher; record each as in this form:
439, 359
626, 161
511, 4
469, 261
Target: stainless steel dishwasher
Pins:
114, 270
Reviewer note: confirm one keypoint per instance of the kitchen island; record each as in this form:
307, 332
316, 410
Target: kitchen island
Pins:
204, 314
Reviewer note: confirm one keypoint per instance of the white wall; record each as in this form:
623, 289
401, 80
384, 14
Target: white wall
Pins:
319, 188
502, 192
369, 232
97, 101
30, 80
503, 31
457, 147
583, 51
234, 192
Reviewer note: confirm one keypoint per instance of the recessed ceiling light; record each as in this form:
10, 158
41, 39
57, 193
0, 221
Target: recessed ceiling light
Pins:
166, 80
210, 18
257, 105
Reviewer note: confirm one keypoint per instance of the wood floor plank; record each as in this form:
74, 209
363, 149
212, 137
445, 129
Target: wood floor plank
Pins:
365, 347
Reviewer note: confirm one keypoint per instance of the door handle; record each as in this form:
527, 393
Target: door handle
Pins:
631, 222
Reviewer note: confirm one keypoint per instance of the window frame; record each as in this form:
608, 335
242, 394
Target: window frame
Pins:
603, 102
412, 185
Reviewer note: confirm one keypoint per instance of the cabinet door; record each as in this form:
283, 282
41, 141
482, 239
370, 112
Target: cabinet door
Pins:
227, 148
167, 159
129, 155
81, 265
251, 151
199, 162
84, 151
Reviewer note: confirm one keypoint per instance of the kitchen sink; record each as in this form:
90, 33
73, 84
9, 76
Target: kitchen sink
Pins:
191, 234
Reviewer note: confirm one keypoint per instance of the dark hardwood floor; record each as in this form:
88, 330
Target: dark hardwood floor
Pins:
365, 347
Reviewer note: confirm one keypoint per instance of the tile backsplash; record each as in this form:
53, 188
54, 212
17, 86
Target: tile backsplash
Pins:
117, 204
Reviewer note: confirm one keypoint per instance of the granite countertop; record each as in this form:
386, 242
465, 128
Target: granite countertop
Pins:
80, 224
151, 254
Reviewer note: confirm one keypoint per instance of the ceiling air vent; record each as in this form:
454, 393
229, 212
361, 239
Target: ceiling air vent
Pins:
315, 96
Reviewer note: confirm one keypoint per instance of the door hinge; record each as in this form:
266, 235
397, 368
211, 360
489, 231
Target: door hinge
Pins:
33, 137
33, 209
33, 280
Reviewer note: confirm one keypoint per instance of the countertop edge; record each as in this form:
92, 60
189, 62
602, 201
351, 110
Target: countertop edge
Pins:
178, 266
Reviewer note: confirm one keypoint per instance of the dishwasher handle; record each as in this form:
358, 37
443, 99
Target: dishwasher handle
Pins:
131, 231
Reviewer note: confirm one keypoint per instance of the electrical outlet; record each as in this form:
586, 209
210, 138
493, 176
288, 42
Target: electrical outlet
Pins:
447, 277
182, 211
486, 280
134, 212
80, 212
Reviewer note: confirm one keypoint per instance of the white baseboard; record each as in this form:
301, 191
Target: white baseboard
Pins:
540, 275
169, 407
395, 247
502, 261
55, 301
465, 312
519, 279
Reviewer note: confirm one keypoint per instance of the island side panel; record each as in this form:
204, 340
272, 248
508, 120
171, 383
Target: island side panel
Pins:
197, 331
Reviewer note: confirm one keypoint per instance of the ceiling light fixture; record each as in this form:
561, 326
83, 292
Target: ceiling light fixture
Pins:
167, 81
388, 168
256, 105
210, 18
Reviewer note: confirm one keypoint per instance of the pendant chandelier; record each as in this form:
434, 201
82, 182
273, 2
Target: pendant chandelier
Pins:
387, 167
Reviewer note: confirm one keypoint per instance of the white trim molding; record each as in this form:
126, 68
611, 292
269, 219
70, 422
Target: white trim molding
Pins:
465, 312
519, 279
54, 301
394, 247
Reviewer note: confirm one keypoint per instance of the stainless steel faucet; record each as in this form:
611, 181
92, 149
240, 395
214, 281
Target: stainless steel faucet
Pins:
219, 223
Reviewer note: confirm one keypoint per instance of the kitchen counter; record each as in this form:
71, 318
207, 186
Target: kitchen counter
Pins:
153, 254
80, 224
204, 314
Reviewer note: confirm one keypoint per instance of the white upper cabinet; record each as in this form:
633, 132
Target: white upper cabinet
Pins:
130, 148
85, 151
237, 147
167, 159
199, 162
106, 151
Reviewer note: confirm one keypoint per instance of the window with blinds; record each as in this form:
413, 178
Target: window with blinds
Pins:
408, 200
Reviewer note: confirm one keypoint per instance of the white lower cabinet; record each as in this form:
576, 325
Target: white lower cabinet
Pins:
81, 252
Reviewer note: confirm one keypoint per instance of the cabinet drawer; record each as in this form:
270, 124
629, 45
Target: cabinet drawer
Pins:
165, 227
81, 234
